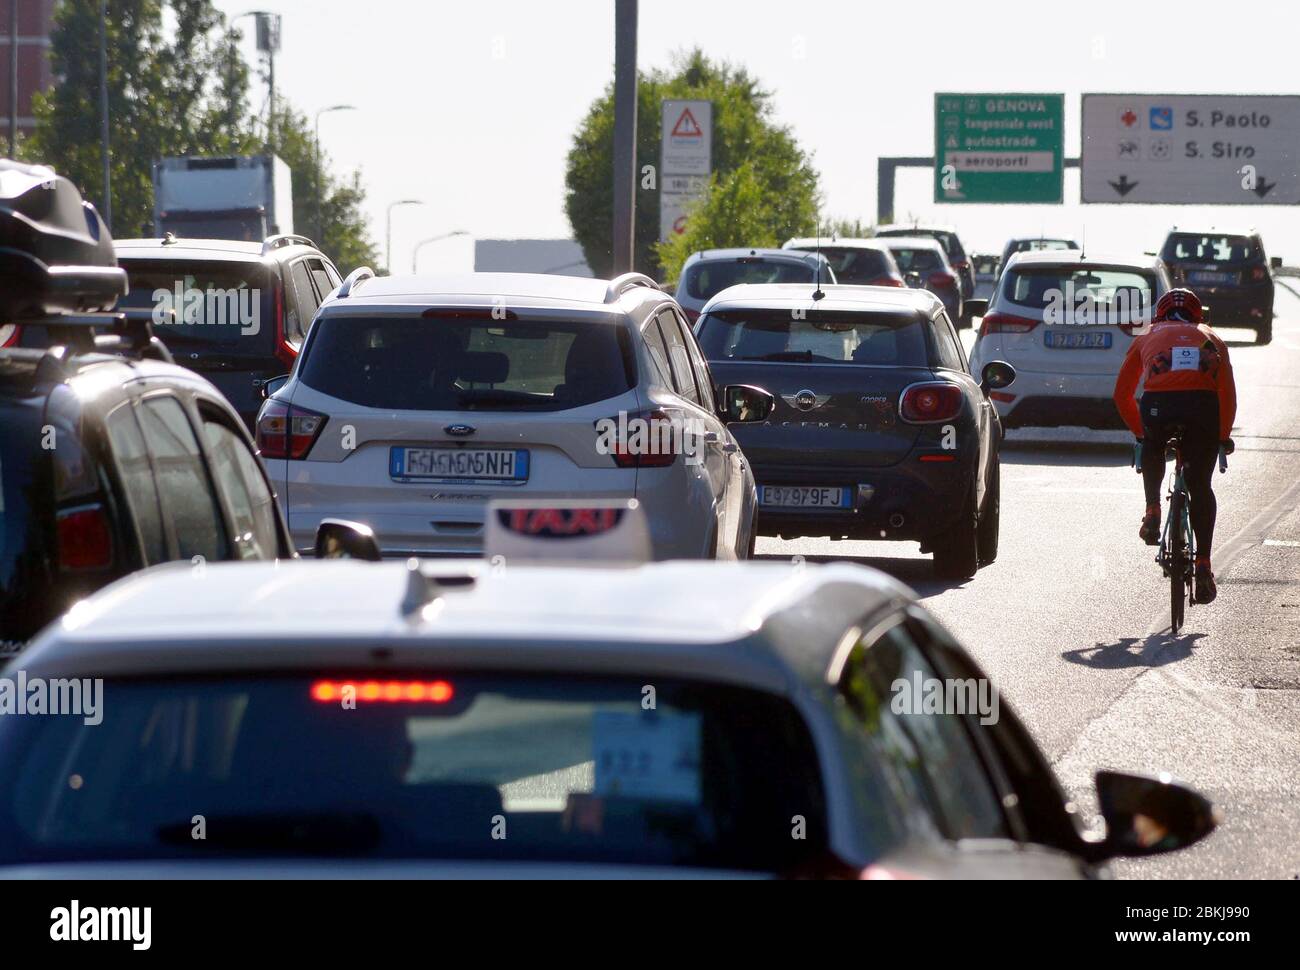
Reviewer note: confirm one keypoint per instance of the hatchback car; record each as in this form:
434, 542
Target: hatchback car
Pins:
879, 431
710, 272
857, 262
952, 248
680, 720
417, 401
1065, 321
241, 310
924, 264
1229, 272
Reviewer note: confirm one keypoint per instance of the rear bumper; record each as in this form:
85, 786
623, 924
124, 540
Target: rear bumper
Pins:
1059, 400
1250, 307
912, 500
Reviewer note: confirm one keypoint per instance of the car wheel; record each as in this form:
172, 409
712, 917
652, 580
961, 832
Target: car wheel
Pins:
1264, 335
753, 537
990, 516
957, 553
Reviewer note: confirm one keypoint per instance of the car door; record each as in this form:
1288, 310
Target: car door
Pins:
954, 366
250, 507
713, 462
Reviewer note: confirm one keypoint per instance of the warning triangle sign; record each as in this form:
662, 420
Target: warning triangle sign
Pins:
687, 126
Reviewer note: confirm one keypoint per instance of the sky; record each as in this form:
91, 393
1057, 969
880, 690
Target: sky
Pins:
471, 106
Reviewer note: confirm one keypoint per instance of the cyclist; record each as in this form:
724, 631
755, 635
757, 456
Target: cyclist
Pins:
1187, 380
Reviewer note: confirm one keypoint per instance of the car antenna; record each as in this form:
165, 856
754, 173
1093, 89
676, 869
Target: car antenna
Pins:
818, 293
1083, 242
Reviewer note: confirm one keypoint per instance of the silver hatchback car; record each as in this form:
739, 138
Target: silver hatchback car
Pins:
417, 401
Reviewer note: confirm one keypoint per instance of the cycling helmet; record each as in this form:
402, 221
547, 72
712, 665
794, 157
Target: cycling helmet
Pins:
1180, 304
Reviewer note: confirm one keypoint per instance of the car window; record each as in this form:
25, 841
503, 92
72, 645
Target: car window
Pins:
703, 379
819, 337
898, 693
213, 302
251, 503
1211, 248
305, 302
324, 284
187, 496
678, 356
856, 265
654, 341
949, 347
918, 260
1114, 291
434, 363
137, 477
707, 278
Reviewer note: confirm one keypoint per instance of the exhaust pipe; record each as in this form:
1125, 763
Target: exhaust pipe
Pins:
896, 520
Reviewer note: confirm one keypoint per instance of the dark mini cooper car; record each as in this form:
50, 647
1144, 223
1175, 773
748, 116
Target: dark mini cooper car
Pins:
1229, 272
879, 431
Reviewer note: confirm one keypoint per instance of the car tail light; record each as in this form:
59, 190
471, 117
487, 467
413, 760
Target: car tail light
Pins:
942, 279
286, 431
652, 453
930, 402
692, 316
85, 541
936, 459
1007, 323
1002, 396
383, 691
887, 281
284, 351
1259, 273
9, 334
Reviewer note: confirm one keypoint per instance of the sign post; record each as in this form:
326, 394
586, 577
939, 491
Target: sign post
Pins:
999, 148
1201, 149
685, 163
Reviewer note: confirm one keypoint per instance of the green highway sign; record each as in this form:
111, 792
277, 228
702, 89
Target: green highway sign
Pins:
999, 147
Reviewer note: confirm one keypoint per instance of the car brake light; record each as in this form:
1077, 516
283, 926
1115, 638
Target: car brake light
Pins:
284, 351
930, 402
383, 692
286, 431
942, 279
652, 442
9, 334
84, 539
1006, 323
1002, 396
887, 281
1258, 273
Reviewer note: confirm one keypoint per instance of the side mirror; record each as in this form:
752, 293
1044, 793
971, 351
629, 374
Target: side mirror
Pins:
912, 279
976, 308
996, 375
1275, 262
1146, 815
272, 385
339, 539
745, 403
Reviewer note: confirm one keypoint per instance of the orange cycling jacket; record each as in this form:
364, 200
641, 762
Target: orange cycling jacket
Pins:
1177, 356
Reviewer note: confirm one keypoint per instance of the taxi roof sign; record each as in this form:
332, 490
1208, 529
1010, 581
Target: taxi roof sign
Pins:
567, 530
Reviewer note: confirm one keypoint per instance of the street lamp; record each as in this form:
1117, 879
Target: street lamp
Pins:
320, 226
415, 253
388, 229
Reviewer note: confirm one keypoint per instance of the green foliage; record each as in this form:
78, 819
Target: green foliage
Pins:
755, 160
177, 85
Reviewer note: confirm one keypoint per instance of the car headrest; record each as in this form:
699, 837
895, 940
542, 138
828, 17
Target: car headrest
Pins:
483, 367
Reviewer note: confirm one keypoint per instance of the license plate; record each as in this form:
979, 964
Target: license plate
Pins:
802, 497
1078, 341
1212, 279
458, 464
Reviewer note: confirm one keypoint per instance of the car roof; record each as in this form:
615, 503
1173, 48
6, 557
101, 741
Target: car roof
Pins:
1212, 231
1039, 238
913, 242
900, 229
717, 621
533, 290
788, 255
839, 297
1073, 257
803, 245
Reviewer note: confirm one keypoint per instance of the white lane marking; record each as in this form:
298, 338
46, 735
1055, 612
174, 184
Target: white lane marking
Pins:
1282, 543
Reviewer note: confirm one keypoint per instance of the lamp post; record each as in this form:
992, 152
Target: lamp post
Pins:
415, 254
320, 225
103, 114
388, 230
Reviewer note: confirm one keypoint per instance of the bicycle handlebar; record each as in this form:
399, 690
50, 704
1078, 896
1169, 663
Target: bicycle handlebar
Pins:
1223, 460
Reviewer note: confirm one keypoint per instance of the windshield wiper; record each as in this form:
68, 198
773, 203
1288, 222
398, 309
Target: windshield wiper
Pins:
340, 832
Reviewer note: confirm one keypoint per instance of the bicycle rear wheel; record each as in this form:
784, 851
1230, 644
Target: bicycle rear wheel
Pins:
1177, 562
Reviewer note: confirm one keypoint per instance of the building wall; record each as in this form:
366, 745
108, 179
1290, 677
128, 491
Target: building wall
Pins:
35, 18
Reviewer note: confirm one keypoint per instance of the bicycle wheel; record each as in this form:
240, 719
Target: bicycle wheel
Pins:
1177, 561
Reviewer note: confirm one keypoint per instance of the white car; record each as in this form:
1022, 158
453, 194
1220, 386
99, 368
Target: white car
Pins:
336, 720
416, 401
1065, 320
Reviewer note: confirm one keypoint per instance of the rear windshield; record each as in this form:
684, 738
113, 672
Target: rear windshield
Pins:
706, 279
451, 364
1041, 245
1071, 288
918, 260
213, 302
949, 241
1228, 250
857, 266
824, 337
498, 768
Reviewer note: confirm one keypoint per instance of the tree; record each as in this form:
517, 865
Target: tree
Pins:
178, 93
754, 159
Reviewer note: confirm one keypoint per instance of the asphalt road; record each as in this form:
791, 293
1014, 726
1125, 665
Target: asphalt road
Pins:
1072, 621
